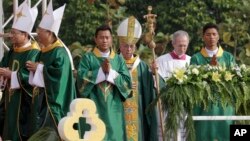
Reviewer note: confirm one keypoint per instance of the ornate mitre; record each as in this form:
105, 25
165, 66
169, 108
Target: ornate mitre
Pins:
129, 31
25, 18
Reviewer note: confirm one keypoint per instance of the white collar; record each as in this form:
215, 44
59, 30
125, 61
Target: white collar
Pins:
105, 54
180, 55
124, 58
28, 44
211, 52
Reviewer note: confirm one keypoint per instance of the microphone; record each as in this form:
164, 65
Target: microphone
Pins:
5, 35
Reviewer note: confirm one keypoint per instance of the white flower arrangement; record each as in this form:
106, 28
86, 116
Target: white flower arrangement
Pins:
200, 85
196, 73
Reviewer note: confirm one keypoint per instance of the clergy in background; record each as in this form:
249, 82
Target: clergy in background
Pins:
178, 58
213, 54
17, 97
104, 78
168, 63
140, 125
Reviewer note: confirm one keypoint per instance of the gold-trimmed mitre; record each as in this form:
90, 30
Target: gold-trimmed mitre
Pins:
129, 31
25, 17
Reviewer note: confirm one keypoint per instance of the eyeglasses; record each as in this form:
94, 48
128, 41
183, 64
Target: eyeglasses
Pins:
15, 32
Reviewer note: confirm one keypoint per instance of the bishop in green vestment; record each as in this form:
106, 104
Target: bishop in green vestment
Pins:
18, 93
52, 75
55, 88
213, 130
104, 78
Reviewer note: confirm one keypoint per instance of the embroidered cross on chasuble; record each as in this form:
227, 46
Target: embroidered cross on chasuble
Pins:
106, 88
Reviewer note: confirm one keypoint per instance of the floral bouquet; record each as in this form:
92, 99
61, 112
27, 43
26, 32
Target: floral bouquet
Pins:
201, 85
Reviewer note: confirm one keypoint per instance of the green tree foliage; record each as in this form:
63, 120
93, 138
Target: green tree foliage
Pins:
192, 15
81, 18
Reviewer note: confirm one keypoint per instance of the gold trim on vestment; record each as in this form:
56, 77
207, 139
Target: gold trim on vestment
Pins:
219, 53
131, 107
57, 43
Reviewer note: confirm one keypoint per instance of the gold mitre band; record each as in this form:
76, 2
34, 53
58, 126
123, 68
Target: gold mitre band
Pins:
127, 40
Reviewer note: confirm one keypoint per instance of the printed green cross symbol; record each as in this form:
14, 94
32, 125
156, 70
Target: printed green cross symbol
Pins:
82, 126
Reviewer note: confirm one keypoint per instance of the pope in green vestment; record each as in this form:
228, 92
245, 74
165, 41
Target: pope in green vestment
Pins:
52, 99
108, 91
140, 124
213, 130
17, 100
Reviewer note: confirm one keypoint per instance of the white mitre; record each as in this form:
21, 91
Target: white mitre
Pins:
25, 17
51, 20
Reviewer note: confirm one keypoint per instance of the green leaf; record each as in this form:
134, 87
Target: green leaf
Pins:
226, 37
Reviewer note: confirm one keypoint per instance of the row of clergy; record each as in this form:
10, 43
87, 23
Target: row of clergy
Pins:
38, 86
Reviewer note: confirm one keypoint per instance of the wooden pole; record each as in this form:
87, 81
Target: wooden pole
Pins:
151, 22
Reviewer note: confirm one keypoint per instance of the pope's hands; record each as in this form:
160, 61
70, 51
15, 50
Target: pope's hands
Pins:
31, 66
106, 66
154, 67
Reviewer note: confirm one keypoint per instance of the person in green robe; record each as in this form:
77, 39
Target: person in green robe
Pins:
51, 75
213, 130
17, 96
104, 78
140, 125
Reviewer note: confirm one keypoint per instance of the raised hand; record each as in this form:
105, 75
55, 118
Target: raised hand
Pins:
154, 67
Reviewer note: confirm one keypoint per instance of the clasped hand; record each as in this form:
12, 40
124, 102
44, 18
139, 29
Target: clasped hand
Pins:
31, 66
106, 66
6, 72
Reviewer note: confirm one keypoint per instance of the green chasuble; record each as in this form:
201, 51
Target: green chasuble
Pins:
107, 96
17, 101
140, 125
213, 130
52, 102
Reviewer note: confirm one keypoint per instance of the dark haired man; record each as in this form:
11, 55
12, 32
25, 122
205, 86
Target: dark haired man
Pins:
213, 54
104, 78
